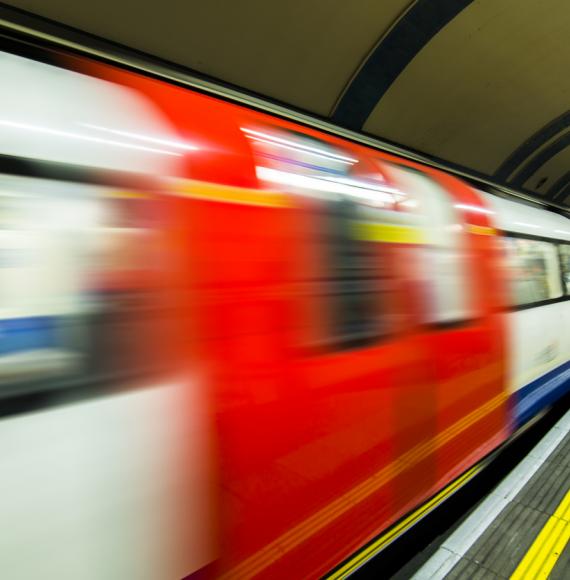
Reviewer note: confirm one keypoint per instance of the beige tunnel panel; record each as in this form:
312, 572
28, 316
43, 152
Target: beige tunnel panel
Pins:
477, 91
302, 53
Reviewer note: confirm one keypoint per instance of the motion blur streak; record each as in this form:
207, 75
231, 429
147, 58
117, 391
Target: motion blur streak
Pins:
232, 346
160, 141
68, 134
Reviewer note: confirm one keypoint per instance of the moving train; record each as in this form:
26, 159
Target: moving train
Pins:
234, 346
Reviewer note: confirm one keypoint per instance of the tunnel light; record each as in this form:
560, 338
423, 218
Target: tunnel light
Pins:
286, 144
158, 140
81, 137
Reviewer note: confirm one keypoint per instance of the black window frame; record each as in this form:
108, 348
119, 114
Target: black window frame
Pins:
565, 289
556, 242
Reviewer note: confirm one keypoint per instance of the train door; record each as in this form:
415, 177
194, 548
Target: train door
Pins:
107, 477
338, 433
83, 308
464, 337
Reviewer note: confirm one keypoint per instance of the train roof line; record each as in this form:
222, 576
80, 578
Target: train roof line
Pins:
30, 26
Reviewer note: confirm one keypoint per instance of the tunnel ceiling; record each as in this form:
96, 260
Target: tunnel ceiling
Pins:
484, 84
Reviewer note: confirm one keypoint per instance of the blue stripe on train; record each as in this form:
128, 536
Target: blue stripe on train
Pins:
25, 334
540, 393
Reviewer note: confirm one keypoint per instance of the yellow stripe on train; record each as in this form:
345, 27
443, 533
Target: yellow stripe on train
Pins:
481, 230
391, 233
230, 194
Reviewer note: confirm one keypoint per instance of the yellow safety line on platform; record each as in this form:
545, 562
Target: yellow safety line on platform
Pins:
548, 545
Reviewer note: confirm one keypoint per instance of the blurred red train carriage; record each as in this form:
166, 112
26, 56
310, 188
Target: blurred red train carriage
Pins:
344, 310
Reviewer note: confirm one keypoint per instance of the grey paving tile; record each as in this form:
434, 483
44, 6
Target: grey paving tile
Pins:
506, 541
546, 489
469, 570
561, 455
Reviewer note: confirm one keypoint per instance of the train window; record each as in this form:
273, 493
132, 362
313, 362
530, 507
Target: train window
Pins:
443, 256
345, 283
353, 280
73, 281
565, 265
533, 270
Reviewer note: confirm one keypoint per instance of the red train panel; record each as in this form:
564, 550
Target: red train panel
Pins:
342, 393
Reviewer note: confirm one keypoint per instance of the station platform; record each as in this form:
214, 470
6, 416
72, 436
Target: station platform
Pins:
521, 530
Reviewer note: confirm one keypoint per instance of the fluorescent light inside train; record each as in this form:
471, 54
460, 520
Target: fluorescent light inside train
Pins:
473, 208
81, 137
279, 142
328, 185
527, 225
158, 140
296, 149
360, 184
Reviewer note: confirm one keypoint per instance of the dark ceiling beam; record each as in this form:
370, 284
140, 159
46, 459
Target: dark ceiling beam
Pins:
531, 145
538, 161
417, 26
559, 185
